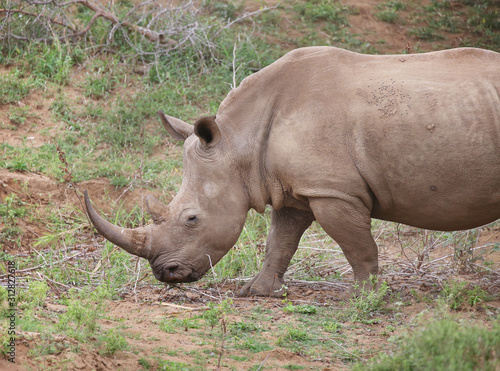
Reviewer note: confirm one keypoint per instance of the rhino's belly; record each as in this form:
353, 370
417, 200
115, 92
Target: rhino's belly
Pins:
437, 222
446, 212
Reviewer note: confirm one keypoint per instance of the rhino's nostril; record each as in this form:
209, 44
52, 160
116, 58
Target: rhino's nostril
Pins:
157, 274
171, 270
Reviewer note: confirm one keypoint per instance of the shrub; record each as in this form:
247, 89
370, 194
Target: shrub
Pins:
443, 345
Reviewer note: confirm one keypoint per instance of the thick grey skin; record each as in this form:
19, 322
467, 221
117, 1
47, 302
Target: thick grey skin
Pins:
334, 136
413, 139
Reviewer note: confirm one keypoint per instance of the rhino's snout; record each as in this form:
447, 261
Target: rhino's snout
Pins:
174, 273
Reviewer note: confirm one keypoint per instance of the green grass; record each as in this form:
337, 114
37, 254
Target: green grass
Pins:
458, 294
388, 15
11, 209
18, 115
308, 335
98, 86
54, 64
167, 365
441, 345
112, 341
304, 309
80, 319
14, 86
322, 10
253, 344
388, 11
477, 18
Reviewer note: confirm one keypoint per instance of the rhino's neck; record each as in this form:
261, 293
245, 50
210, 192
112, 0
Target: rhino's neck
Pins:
246, 116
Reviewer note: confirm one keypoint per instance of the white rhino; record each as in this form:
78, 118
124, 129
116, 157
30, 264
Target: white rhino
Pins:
334, 136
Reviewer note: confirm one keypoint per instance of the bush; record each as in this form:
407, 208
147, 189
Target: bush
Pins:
457, 294
112, 342
443, 345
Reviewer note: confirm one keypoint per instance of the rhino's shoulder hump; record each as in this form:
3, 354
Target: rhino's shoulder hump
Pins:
306, 58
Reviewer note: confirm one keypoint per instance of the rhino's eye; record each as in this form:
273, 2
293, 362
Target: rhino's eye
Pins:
192, 218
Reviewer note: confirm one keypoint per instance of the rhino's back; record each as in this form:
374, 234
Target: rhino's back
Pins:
428, 139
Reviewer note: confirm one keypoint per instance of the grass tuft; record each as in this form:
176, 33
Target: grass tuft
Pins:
443, 345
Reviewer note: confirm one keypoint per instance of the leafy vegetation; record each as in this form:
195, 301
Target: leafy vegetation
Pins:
389, 11
458, 294
443, 344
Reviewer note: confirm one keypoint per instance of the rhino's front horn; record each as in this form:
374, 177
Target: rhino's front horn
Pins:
135, 241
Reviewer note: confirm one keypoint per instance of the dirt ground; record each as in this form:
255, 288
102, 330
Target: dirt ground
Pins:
140, 314
142, 307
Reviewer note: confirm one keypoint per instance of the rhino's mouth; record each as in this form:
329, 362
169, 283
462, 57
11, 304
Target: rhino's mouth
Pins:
175, 273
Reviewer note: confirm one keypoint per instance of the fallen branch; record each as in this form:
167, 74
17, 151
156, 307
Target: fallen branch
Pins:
337, 285
181, 308
19, 11
177, 306
100, 12
149, 34
264, 361
245, 16
42, 265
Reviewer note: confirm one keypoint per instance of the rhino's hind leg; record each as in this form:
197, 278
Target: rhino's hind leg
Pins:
349, 224
287, 226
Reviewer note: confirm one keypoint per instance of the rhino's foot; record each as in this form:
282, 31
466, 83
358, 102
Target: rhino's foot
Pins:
264, 285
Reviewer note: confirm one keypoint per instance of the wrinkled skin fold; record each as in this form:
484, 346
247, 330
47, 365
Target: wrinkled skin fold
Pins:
334, 136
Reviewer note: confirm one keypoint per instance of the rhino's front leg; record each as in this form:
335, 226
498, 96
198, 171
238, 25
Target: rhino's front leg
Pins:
287, 226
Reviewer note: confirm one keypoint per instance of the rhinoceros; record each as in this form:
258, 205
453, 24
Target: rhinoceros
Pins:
334, 136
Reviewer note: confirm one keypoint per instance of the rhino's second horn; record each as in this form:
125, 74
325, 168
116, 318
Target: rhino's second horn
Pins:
156, 209
136, 241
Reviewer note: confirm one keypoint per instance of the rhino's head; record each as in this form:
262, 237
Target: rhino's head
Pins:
205, 218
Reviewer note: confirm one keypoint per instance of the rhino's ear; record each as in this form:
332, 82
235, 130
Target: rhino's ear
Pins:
178, 129
208, 131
